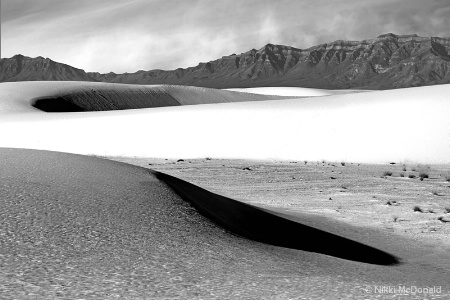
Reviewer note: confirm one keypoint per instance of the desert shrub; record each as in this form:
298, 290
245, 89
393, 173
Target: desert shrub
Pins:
436, 193
447, 178
423, 175
343, 164
387, 173
404, 168
402, 175
411, 176
447, 210
417, 209
443, 220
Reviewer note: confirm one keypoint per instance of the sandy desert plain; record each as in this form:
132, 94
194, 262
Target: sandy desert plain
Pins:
172, 192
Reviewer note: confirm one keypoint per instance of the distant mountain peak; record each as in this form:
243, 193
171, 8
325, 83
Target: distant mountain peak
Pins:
386, 62
19, 56
397, 36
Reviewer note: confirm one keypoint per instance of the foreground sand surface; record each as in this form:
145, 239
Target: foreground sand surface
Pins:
83, 227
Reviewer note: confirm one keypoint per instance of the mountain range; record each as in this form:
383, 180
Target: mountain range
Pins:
386, 62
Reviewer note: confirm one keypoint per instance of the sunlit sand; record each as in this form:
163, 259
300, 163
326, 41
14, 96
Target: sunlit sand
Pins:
375, 127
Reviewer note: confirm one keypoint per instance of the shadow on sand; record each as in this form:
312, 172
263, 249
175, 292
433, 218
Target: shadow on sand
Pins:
57, 104
263, 226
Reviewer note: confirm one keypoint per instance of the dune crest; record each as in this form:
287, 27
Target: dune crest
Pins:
292, 91
265, 226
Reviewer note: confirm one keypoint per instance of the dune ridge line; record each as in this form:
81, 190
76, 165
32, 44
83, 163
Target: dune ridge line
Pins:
265, 226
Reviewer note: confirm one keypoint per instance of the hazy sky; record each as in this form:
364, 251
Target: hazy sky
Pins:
131, 35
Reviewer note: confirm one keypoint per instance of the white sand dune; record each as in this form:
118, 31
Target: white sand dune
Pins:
375, 127
99, 96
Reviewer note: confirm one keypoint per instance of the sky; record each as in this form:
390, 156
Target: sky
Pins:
130, 35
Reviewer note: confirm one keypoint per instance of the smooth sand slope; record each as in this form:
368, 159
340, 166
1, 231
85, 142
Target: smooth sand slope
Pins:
81, 227
374, 127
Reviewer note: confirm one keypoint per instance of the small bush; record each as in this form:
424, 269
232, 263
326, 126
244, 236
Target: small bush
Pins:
411, 176
387, 173
447, 178
436, 193
447, 210
423, 175
402, 175
417, 209
343, 164
443, 220
393, 202
404, 169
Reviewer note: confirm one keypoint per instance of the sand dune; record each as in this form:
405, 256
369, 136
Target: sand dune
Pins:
91, 96
81, 227
374, 127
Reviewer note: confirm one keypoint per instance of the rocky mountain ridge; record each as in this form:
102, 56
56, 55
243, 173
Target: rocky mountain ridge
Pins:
23, 68
386, 62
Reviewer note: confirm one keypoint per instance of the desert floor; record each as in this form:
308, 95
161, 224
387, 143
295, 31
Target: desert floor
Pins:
357, 194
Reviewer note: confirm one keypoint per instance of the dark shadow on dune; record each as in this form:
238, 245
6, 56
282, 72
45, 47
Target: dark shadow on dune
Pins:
261, 225
57, 104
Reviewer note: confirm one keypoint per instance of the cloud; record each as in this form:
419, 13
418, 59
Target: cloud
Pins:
128, 35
